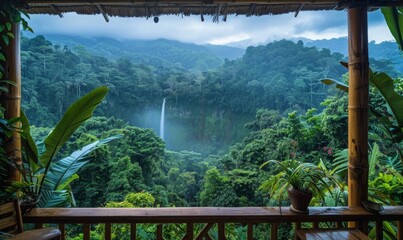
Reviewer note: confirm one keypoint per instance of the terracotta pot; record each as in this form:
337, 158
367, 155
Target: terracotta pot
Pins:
299, 200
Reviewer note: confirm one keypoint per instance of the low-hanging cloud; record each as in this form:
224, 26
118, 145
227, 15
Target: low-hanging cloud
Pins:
314, 25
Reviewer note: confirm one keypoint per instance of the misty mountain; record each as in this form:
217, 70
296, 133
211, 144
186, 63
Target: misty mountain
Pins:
225, 52
386, 51
160, 52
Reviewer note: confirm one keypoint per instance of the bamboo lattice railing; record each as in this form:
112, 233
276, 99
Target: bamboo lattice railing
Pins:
210, 217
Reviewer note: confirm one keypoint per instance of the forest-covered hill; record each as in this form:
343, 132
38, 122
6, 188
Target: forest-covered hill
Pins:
204, 109
221, 125
384, 51
159, 52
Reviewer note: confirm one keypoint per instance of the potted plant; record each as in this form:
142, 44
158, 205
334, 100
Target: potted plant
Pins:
45, 178
301, 180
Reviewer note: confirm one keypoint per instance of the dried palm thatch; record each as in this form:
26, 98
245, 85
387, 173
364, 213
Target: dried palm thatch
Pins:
216, 8
146, 8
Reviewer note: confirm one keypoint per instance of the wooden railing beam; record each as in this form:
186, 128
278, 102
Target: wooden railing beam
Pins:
211, 216
207, 215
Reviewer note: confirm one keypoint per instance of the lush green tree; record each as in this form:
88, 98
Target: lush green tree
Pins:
216, 190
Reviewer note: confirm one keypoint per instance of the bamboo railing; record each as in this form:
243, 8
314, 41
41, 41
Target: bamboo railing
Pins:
210, 217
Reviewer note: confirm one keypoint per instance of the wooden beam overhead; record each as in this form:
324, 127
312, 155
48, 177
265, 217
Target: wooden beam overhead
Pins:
299, 9
379, 3
129, 2
136, 8
57, 10
106, 17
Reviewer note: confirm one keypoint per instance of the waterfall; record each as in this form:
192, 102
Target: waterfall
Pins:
162, 121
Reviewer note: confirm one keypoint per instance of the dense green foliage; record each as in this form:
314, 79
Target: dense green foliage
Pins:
269, 104
282, 75
46, 179
278, 82
384, 56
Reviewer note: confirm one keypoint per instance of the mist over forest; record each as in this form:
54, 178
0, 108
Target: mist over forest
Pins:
227, 111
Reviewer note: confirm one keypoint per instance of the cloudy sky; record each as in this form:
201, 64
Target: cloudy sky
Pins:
250, 30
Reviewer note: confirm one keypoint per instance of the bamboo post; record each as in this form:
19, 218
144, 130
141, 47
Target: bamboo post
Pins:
358, 106
11, 101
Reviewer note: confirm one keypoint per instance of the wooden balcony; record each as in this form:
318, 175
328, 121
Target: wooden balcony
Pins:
210, 217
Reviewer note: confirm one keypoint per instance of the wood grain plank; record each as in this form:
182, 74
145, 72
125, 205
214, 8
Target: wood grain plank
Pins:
206, 215
313, 236
326, 234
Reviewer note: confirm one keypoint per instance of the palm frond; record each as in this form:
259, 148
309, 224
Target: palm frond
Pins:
340, 163
384, 83
373, 158
50, 198
338, 84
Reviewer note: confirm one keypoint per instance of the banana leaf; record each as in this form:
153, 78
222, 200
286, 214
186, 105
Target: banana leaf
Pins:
394, 20
66, 183
384, 84
373, 158
75, 115
62, 170
28, 143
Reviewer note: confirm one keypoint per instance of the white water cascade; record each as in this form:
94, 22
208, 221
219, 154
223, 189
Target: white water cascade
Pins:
162, 121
